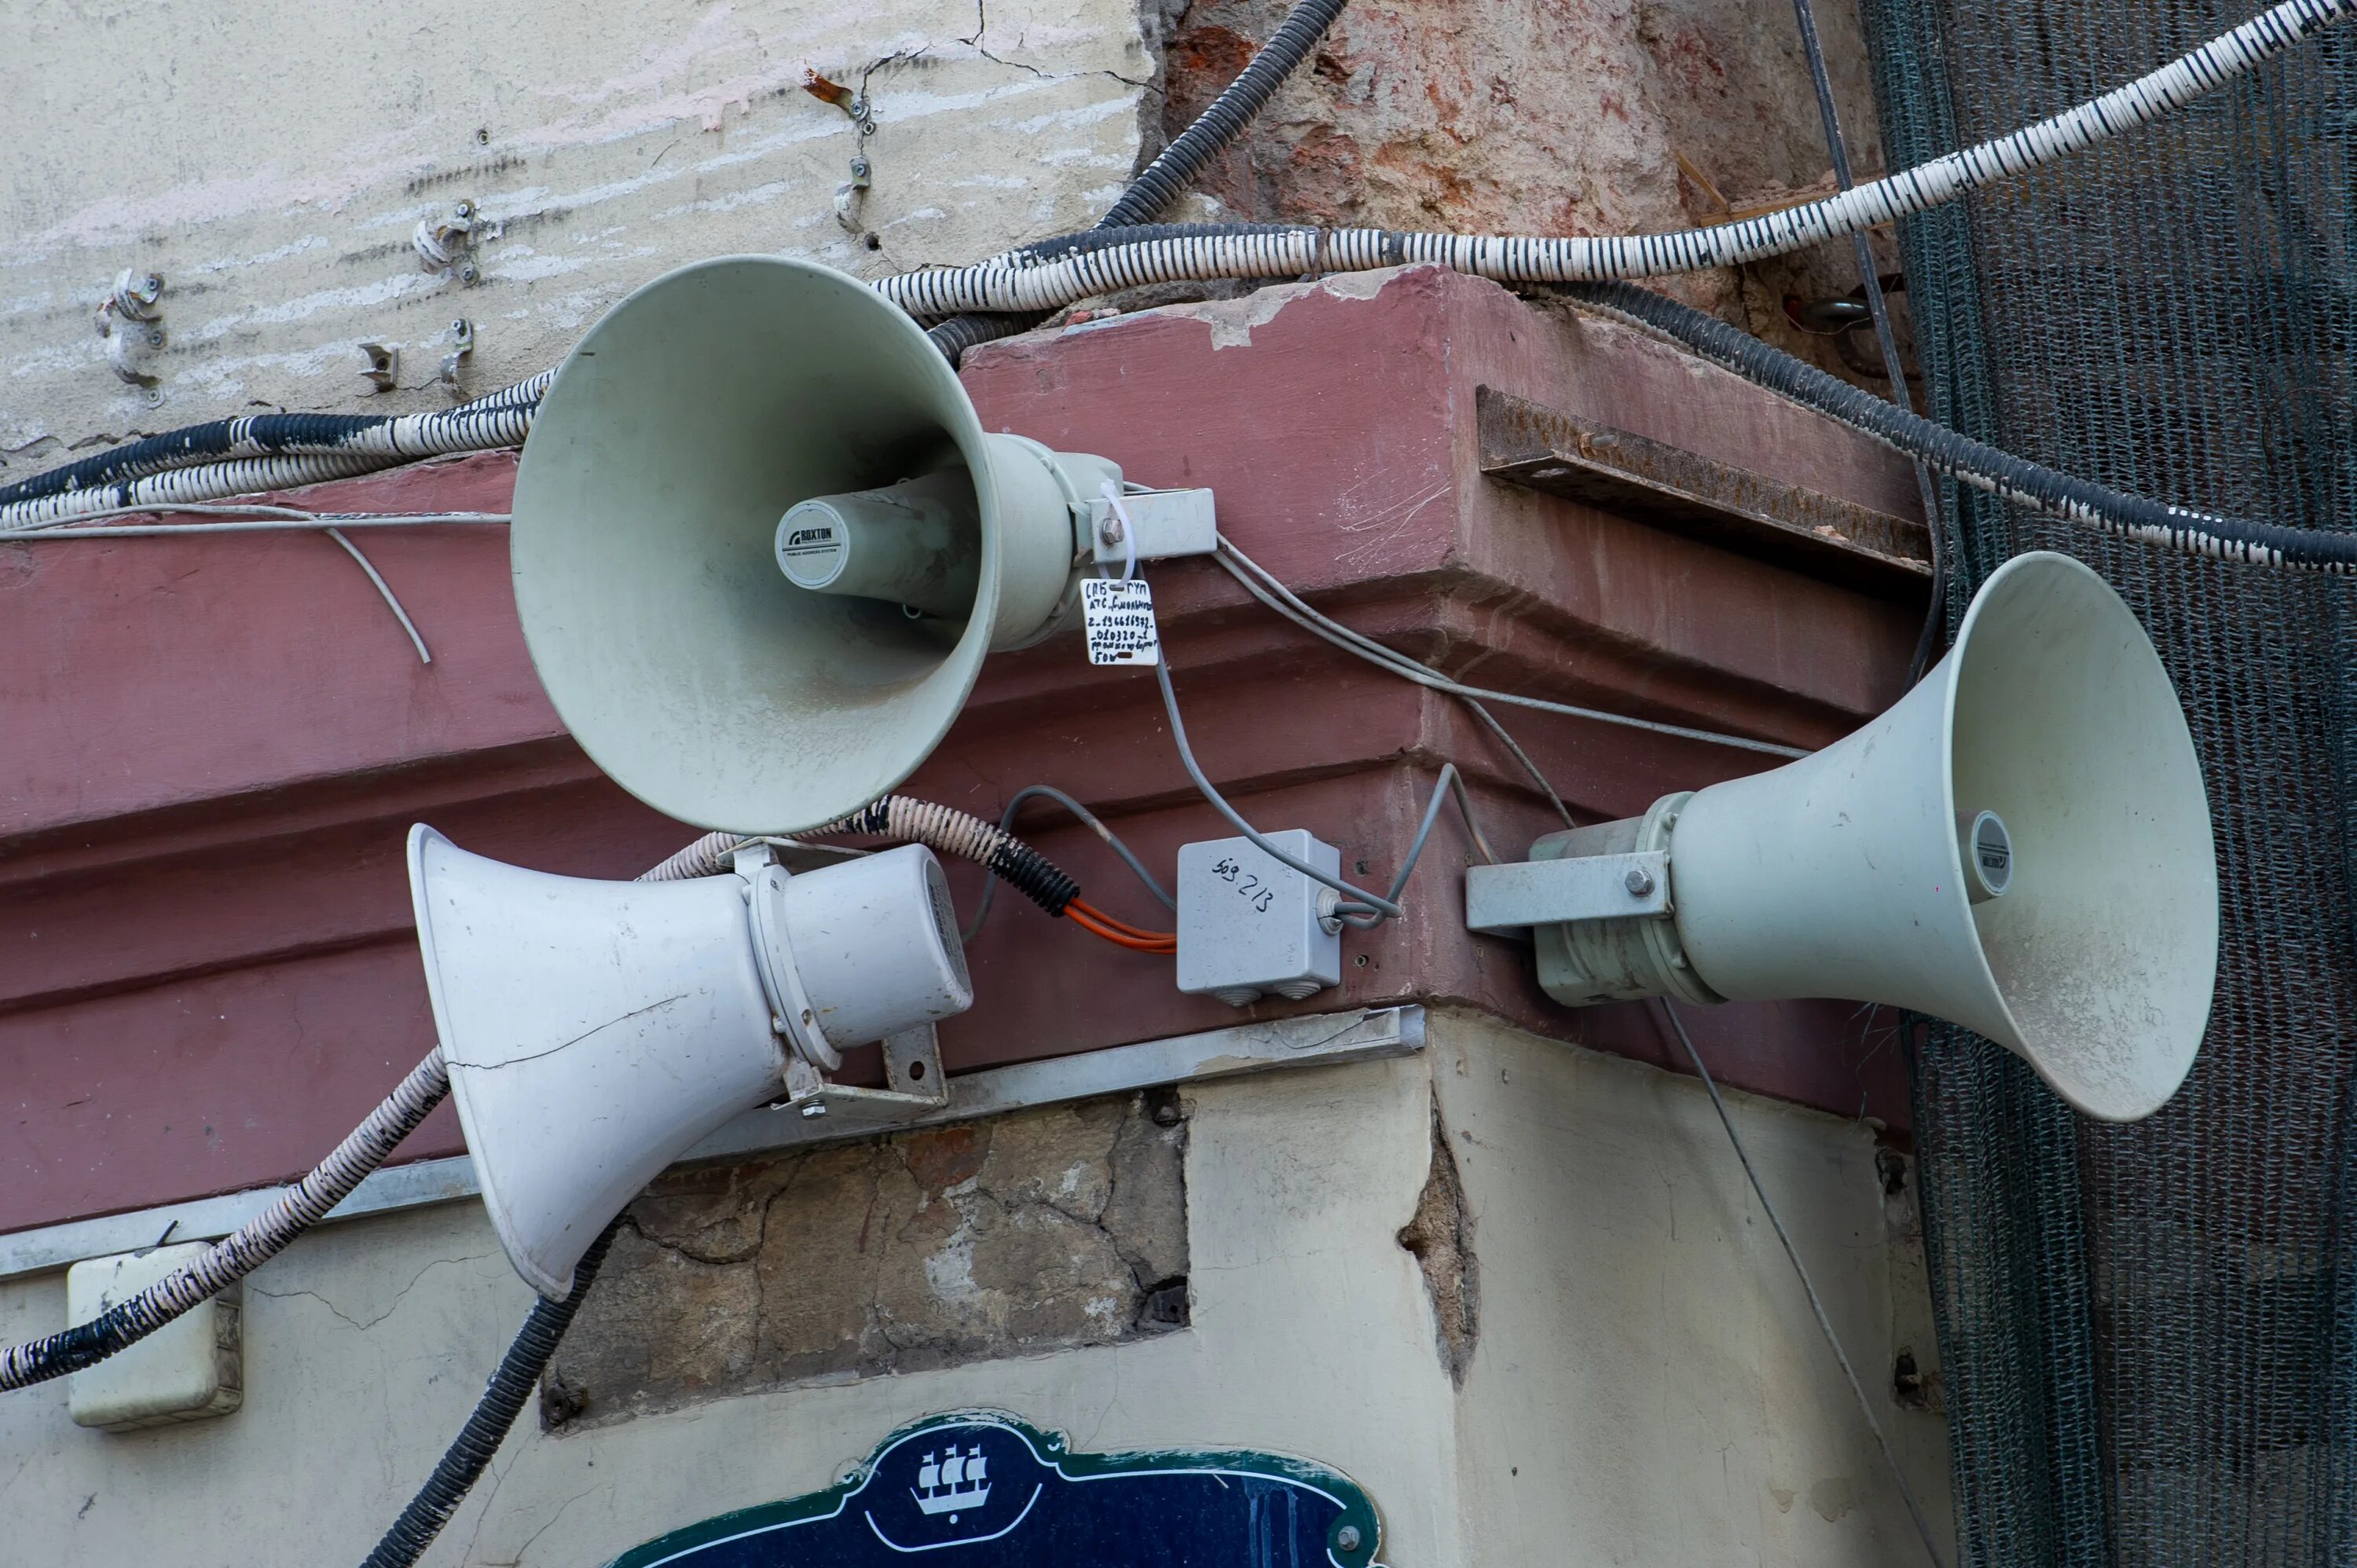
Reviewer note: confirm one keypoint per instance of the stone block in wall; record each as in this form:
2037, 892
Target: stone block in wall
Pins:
1040, 1230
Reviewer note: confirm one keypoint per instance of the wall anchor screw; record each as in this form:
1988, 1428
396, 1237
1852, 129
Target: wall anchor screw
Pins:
1347, 1537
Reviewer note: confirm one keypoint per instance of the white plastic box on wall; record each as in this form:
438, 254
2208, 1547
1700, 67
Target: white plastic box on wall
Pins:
1249, 926
191, 1368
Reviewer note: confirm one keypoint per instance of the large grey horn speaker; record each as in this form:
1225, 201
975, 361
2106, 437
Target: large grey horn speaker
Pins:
2021, 845
763, 545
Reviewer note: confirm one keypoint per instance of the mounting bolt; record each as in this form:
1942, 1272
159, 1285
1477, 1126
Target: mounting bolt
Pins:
1639, 882
1347, 1537
1110, 529
815, 1109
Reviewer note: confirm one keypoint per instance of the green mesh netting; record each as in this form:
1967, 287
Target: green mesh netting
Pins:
2148, 1334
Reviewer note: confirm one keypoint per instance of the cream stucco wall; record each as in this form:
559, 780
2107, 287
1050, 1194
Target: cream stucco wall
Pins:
271, 159
1647, 1386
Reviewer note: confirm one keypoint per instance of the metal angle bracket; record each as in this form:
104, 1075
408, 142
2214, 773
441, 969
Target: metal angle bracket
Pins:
1560, 892
915, 1086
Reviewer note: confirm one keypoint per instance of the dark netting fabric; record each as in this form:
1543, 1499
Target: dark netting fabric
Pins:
2148, 1334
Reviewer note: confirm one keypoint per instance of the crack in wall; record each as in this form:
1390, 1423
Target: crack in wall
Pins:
364, 1324
1440, 1236
1039, 1230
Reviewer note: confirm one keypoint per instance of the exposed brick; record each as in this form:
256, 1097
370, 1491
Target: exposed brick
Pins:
1044, 1230
1551, 117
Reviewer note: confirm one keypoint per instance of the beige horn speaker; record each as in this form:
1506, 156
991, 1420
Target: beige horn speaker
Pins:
763, 545
2021, 845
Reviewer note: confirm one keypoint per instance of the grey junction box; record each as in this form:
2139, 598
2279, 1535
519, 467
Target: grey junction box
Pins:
1249, 926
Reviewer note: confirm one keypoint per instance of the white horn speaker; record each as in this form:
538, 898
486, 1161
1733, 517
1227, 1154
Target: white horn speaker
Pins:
595, 1031
761, 543
2021, 845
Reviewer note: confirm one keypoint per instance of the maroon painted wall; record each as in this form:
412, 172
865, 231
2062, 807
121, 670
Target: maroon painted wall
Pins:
211, 748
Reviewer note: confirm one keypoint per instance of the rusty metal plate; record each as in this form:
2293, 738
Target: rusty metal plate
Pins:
1664, 487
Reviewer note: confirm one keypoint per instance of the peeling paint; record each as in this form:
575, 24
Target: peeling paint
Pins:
642, 138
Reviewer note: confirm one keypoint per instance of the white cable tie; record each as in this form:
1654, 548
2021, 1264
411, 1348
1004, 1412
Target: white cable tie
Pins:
1112, 495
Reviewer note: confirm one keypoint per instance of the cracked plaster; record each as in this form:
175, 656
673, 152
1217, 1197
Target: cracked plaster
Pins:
1043, 1230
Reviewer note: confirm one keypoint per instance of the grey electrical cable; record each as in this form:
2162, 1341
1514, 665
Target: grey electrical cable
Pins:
384, 591
1879, 309
1360, 909
1816, 1306
1279, 597
261, 517
1366, 648
1514, 749
1019, 284
273, 520
1088, 820
1219, 804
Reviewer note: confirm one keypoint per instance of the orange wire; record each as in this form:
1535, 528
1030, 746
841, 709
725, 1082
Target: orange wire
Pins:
1130, 942
1118, 924
1101, 925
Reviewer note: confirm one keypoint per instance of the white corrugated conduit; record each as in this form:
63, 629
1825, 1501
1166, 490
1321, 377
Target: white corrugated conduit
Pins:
260, 452
269, 452
1021, 283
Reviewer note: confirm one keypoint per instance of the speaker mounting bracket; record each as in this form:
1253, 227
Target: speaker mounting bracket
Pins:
1159, 525
1558, 892
915, 1086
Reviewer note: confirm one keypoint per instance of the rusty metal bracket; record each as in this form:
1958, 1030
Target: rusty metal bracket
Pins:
462, 344
1683, 493
130, 320
448, 247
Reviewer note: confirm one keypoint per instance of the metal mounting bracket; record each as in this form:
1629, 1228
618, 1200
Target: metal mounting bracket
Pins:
1167, 522
915, 1085
1559, 892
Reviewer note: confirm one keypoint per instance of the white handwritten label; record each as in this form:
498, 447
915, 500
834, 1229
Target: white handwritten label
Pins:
1120, 620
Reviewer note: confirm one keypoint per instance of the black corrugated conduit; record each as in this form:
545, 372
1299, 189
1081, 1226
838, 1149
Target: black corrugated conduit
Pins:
267, 451
1983, 467
1174, 168
387, 439
503, 1399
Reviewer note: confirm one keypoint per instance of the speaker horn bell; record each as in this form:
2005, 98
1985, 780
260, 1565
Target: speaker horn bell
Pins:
763, 545
2021, 845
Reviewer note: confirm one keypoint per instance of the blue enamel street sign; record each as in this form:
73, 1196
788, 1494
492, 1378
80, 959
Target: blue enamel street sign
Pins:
977, 1489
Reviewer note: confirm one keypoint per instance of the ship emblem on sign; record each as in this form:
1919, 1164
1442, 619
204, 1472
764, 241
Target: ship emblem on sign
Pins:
980, 1488
953, 1484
